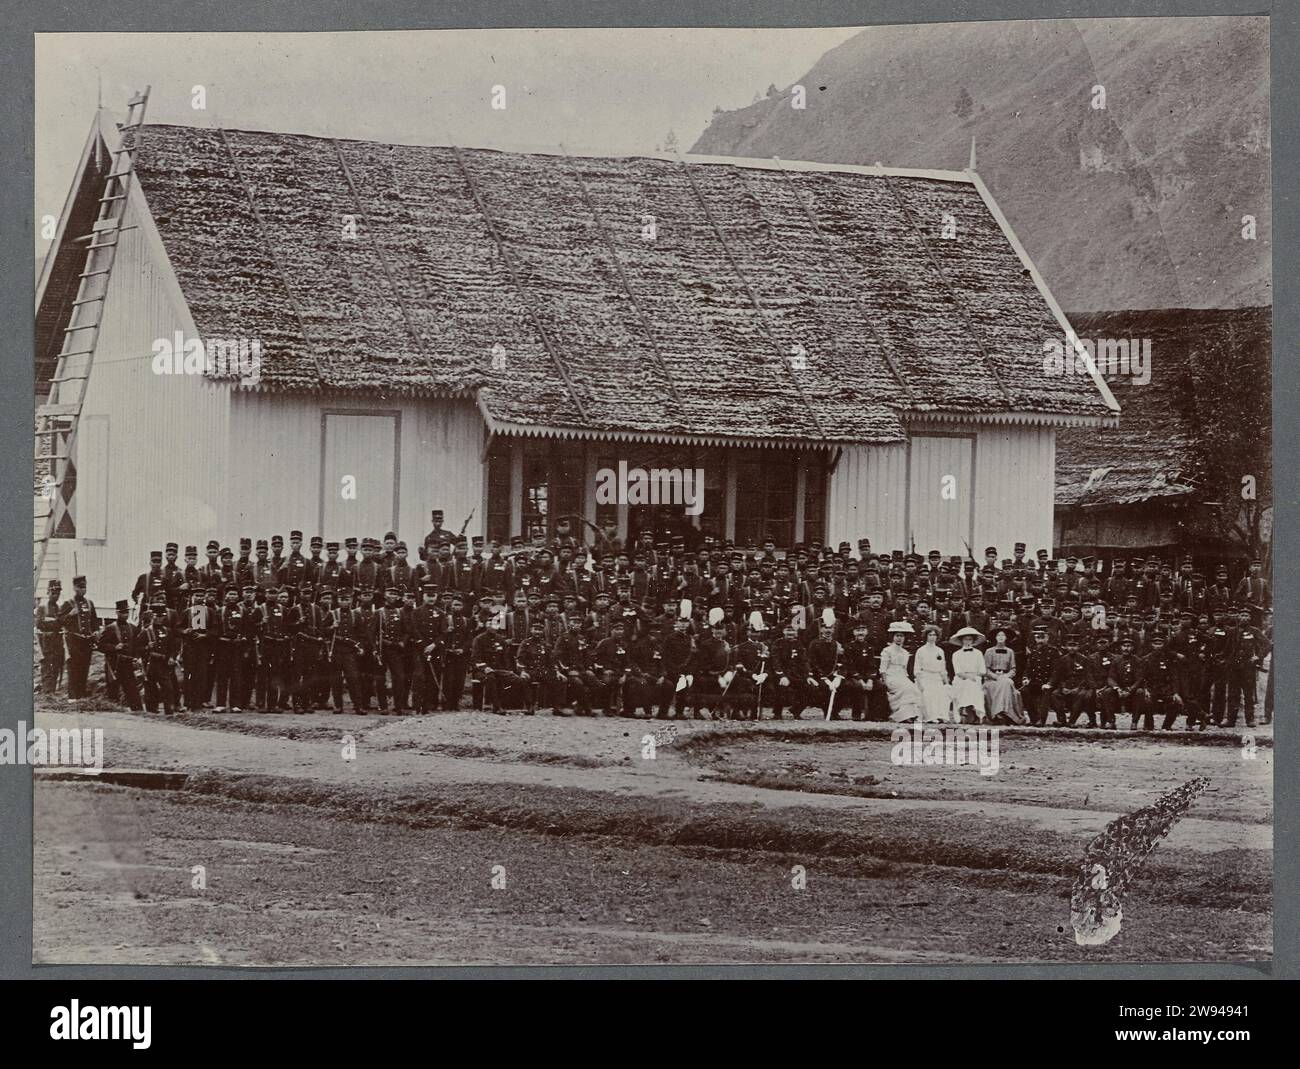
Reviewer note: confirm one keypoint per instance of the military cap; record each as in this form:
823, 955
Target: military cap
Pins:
78, 580
844, 547
295, 536
191, 551
934, 554
155, 555
436, 515
122, 605
1020, 547
250, 588
277, 540
991, 551
261, 543
391, 536
1043, 554
401, 547
172, 547
392, 590
317, 542
245, 543
227, 553
350, 543
516, 541
212, 544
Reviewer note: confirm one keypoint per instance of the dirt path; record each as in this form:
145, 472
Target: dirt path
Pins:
606, 755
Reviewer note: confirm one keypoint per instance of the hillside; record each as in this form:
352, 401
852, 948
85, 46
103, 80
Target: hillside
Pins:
1138, 205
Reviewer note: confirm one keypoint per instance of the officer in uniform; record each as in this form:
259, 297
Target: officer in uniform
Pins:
81, 631
1244, 659
393, 638
1072, 685
49, 631
276, 644
228, 657
159, 647
1039, 662
349, 645
790, 673
534, 668
428, 644
119, 642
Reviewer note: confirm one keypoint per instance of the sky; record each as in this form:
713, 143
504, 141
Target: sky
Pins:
598, 91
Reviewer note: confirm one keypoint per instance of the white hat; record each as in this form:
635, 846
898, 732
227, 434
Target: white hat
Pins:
902, 627
966, 632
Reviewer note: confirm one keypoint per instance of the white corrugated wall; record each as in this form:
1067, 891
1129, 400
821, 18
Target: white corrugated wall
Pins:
874, 491
275, 470
150, 455
1015, 474
868, 496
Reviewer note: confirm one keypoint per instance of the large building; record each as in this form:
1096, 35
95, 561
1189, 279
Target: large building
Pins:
843, 351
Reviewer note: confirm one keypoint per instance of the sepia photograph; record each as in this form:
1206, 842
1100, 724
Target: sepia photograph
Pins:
650, 496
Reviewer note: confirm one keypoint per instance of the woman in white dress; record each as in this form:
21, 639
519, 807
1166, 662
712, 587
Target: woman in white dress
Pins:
905, 701
968, 672
930, 666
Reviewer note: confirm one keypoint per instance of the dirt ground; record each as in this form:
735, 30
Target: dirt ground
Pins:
330, 839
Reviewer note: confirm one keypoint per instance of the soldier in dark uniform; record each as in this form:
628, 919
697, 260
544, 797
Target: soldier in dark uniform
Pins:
314, 563
81, 631
1126, 688
534, 671
790, 674
49, 632
119, 642
294, 569
1102, 660
349, 649
428, 643
750, 660
437, 538
825, 661
1072, 685
1245, 657
159, 647
199, 630
646, 687
304, 676
610, 663
276, 643
1162, 677
1040, 659
678, 656
394, 638
572, 657
493, 664
1218, 667
228, 658
861, 669
149, 583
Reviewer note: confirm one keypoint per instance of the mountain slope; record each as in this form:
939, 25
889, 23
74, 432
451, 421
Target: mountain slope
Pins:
1137, 205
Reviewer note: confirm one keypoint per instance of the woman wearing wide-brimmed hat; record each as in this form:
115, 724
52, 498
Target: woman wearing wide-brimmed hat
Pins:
905, 701
1001, 699
930, 667
968, 671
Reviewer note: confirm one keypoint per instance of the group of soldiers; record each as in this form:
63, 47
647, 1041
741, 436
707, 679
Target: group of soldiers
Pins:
652, 627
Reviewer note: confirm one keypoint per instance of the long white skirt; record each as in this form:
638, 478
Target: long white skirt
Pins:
905, 701
968, 692
937, 694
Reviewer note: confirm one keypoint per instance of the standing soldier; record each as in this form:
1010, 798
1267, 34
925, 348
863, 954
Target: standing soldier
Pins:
81, 630
435, 539
227, 660
306, 647
1246, 656
294, 569
149, 583
160, 645
49, 633
350, 650
428, 634
119, 643
199, 628
394, 637
1218, 667
277, 638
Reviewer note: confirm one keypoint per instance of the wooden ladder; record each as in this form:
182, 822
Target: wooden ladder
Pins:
57, 419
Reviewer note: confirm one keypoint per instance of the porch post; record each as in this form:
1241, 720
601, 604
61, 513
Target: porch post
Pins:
800, 493
729, 523
517, 487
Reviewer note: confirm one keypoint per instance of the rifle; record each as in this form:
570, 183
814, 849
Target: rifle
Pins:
466, 523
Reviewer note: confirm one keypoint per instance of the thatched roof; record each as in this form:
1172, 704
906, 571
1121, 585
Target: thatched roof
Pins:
769, 302
1210, 379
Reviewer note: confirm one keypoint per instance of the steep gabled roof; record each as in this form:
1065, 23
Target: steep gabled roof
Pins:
1206, 364
643, 295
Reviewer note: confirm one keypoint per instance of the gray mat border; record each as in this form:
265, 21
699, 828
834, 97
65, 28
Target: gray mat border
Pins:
16, 128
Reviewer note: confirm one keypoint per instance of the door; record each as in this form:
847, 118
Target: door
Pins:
360, 473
